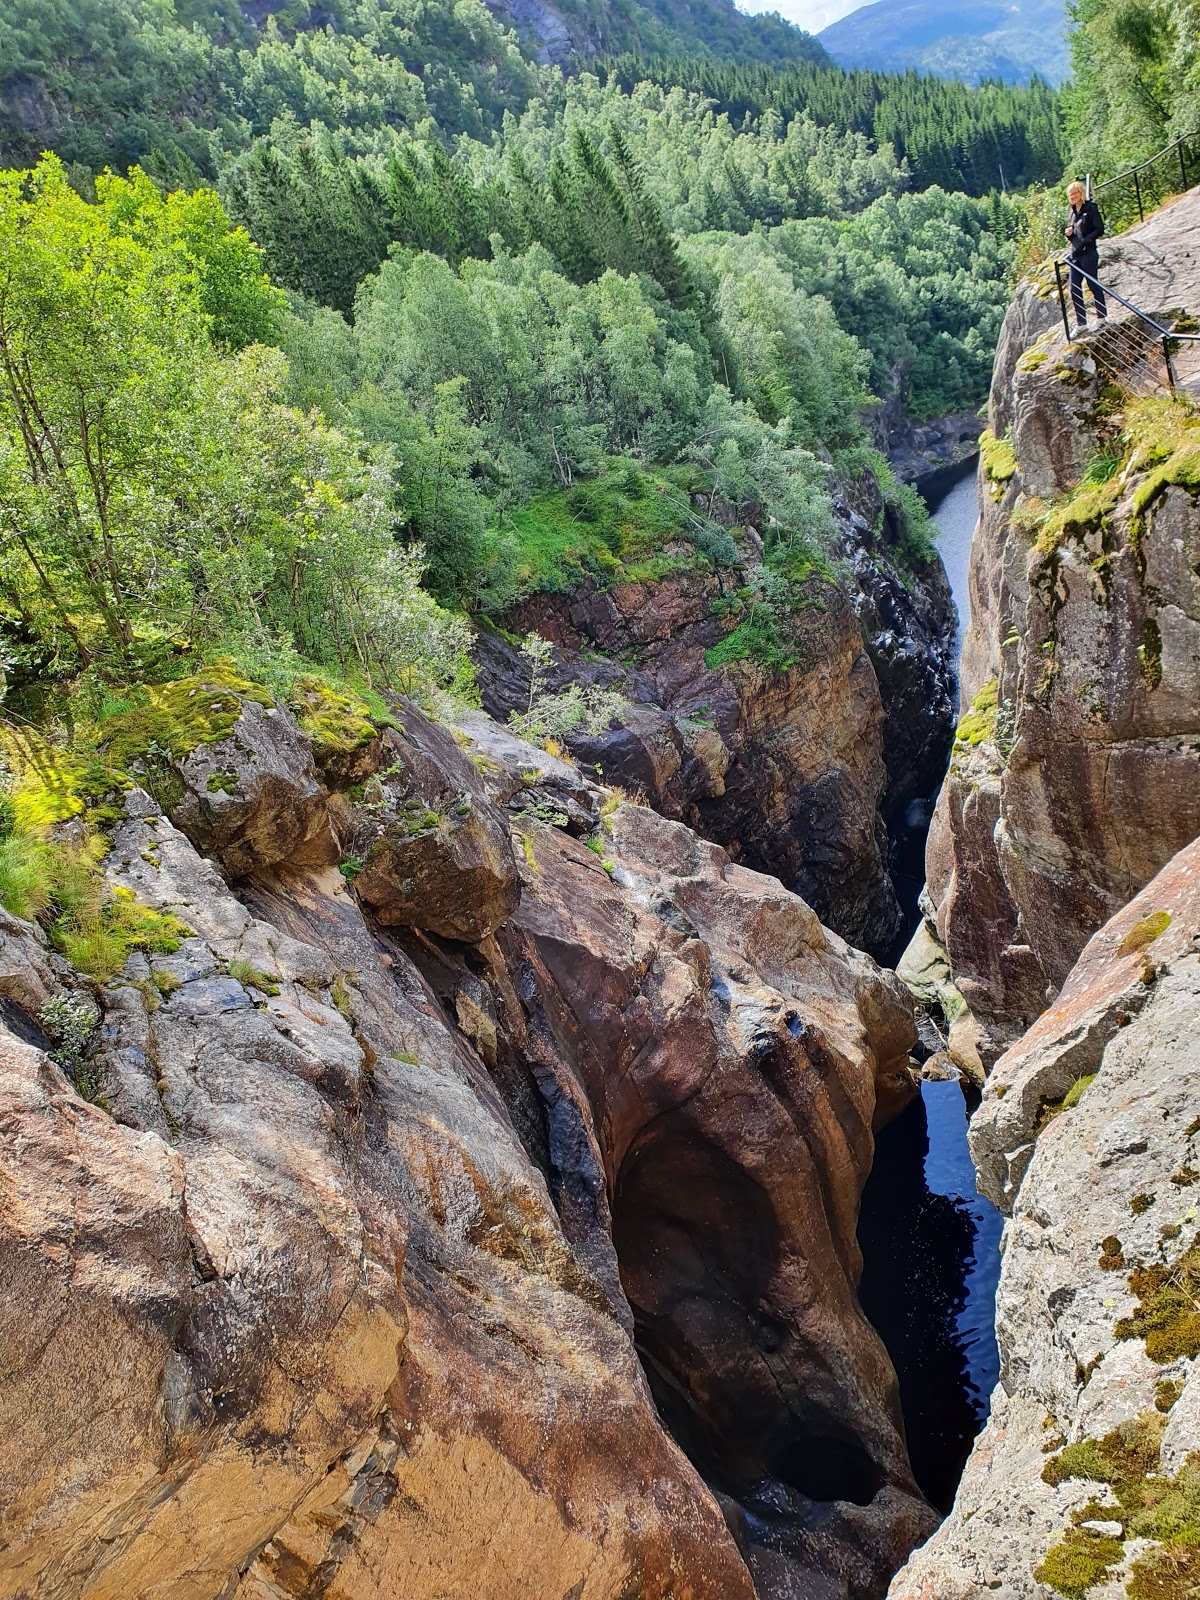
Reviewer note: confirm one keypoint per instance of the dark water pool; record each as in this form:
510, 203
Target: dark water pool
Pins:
931, 1252
931, 1244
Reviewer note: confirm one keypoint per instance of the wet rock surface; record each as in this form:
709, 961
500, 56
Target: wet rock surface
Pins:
798, 772
1087, 1138
342, 1283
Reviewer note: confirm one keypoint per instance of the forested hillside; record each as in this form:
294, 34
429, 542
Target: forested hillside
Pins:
398, 323
121, 80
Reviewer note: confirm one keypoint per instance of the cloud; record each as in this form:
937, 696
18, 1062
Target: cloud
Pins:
811, 14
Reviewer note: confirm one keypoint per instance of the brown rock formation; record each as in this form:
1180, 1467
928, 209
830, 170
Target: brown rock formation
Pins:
797, 772
1086, 777
436, 854
253, 798
334, 1293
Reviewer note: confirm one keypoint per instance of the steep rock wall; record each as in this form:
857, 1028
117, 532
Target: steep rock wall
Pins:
340, 1283
1089, 1138
798, 772
1077, 771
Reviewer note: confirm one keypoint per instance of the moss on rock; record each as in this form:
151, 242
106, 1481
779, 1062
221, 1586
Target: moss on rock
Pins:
1144, 932
979, 723
1079, 1561
999, 461
179, 717
336, 720
1166, 1316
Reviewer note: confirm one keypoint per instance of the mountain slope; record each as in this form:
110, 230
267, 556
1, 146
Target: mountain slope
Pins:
123, 81
1008, 39
561, 31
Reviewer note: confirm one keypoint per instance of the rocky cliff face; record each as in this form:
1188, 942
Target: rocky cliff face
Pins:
1076, 773
1088, 1137
336, 1281
798, 771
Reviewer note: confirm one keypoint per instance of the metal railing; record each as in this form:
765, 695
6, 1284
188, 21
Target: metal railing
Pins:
1128, 347
1152, 180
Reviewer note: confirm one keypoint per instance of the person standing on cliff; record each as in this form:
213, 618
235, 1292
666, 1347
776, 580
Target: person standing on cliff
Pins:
1084, 232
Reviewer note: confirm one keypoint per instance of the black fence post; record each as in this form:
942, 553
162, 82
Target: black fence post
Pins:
1182, 164
1166, 344
1062, 298
1137, 189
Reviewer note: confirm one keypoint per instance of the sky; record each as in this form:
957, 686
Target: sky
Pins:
811, 14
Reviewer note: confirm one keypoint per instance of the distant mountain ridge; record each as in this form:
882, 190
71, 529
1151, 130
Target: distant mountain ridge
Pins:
968, 39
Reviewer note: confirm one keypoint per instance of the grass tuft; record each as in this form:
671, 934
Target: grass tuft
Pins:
252, 977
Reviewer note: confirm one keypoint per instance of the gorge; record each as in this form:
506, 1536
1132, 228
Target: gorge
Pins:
519, 933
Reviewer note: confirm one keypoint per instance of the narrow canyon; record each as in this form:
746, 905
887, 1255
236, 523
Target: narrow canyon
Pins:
541, 1170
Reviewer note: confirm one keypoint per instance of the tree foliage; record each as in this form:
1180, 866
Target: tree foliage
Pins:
949, 134
153, 485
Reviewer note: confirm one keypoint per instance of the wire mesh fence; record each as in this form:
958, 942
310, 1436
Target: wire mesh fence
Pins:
1142, 354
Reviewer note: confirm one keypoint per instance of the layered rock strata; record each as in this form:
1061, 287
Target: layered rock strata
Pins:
1088, 1137
338, 1283
1076, 773
798, 770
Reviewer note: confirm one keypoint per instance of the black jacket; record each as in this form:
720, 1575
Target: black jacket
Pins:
1089, 228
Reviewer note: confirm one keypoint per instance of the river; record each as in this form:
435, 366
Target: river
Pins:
931, 1244
954, 516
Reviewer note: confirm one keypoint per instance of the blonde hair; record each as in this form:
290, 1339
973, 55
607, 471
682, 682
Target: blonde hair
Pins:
1076, 187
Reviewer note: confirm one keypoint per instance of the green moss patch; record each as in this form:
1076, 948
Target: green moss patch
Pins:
1149, 654
1144, 932
1167, 1574
52, 785
1148, 1505
1033, 358
336, 720
1079, 1562
999, 461
1078, 514
978, 725
1112, 1256
179, 717
1167, 1315
1158, 446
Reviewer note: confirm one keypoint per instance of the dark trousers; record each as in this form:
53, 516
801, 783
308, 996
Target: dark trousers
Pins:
1089, 264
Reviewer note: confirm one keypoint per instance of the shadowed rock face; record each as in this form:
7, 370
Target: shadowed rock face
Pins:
797, 772
1115, 1166
1090, 779
345, 1290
